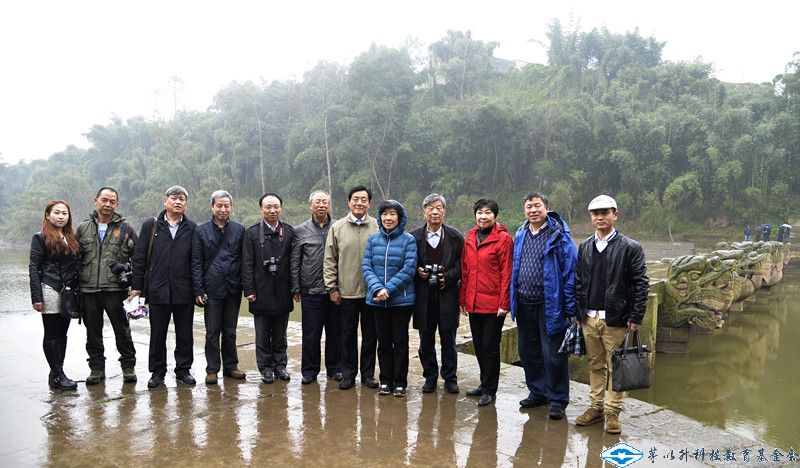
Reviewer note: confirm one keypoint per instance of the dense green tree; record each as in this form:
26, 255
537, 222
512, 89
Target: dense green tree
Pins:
606, 114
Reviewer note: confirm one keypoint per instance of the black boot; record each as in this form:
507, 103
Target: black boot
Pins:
55, 358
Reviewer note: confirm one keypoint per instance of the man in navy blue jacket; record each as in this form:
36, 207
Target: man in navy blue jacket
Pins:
543, 302
217, 284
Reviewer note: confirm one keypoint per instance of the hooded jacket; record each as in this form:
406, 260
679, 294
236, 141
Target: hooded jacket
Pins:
559, 274
390, 261
486, 271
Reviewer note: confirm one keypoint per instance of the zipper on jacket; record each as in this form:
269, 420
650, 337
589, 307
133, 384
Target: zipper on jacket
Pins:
99, 252
386, 268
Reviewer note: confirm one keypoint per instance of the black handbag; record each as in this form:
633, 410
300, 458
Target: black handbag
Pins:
69, 303
630, 365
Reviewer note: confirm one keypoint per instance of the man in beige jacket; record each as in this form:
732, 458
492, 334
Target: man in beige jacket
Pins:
344, 252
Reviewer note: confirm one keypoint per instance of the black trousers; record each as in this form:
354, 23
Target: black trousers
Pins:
55, 327
487, 329
54, 343
351, 310
391, 323
221, 318
427, 346
319, 314
93, 306
271, 341
160, 315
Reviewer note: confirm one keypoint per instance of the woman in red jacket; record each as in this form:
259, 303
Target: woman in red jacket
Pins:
485, 283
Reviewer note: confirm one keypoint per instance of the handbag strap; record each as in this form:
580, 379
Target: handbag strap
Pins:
625, 345
149, 251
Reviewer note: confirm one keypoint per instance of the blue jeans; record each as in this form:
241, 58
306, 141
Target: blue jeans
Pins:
546, 371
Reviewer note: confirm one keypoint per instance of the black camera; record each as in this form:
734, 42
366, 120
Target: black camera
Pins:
122, 270
433, 274
271, 265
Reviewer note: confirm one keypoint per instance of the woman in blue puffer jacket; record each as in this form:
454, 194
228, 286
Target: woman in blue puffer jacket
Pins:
390, 260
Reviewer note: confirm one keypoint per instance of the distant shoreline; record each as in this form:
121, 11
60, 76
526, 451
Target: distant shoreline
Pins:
12, 245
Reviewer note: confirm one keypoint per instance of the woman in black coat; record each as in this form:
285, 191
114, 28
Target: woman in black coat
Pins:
52, 267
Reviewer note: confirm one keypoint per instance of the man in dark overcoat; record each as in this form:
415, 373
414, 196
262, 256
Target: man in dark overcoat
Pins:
436, 283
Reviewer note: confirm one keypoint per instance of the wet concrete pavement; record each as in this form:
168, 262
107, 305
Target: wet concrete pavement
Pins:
249, 423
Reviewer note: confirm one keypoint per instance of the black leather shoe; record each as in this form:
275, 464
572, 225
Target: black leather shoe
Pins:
532, 402
337, 376
155, 380
475, 392
59, 381
185, 378
370, 382
307, 379
346, 384
282, 374
485, 400
556, 412
267, 377
451, 387
429, 386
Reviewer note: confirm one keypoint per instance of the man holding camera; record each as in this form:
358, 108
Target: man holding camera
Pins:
436, 283
217, 284
266, 277
107, 243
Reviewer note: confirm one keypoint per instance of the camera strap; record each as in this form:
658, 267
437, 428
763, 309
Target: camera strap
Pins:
261, 236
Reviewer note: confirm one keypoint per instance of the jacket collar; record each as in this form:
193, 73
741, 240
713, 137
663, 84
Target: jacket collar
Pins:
115, 218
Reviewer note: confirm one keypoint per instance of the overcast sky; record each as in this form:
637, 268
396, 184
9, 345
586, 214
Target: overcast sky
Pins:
67, 65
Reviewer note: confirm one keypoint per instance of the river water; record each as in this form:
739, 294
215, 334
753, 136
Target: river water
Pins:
743, 378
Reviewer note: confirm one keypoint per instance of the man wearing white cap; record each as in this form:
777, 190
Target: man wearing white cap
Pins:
611, 287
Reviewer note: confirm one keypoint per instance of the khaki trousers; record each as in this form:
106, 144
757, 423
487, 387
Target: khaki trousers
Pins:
600, 340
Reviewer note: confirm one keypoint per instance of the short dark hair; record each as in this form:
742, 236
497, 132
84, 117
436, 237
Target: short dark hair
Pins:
359, 188
486, 203
531, 195
392, 205
270, 194
111, 189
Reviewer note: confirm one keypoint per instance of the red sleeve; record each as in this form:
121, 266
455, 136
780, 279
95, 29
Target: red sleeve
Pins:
506, 255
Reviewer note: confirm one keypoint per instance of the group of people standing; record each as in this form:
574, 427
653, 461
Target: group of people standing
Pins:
355, 271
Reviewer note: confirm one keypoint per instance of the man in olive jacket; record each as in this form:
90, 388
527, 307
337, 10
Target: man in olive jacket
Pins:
266, 277
344, 281
106, 242
438, 247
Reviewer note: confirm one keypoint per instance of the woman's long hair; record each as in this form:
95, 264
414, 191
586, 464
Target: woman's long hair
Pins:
52, 239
